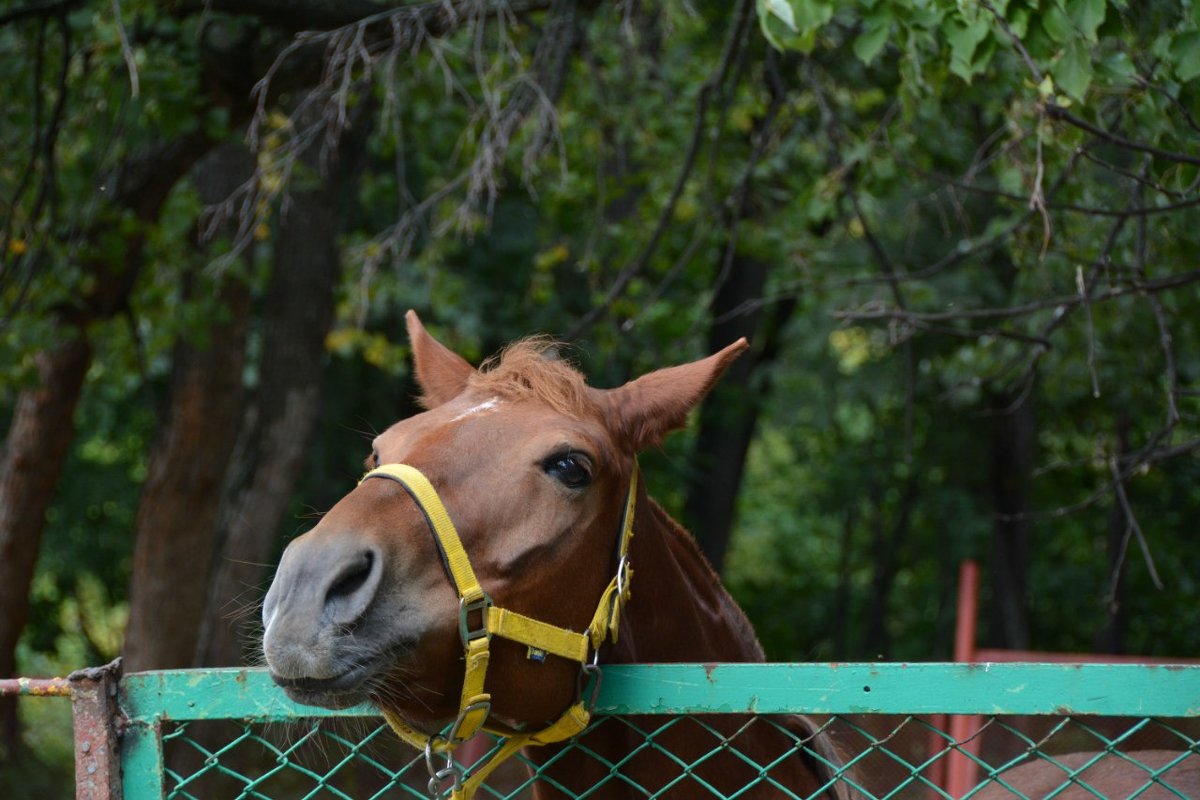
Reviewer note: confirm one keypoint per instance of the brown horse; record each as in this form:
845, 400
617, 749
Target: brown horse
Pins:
533, 467
1100, 774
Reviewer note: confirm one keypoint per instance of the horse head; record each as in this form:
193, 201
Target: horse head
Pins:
534, 469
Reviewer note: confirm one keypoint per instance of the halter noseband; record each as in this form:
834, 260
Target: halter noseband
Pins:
479, 619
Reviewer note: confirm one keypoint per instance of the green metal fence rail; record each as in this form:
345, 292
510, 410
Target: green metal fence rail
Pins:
231, 734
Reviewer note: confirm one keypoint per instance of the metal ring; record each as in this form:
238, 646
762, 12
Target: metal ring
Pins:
588, 672
435, 785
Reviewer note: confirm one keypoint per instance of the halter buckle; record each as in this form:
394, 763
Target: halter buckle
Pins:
466, 608
454, 737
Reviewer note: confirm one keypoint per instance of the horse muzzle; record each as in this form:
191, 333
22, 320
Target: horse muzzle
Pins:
314, 615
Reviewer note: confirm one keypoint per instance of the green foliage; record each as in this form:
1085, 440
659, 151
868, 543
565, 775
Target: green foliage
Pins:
944, 176
923, 130
1075, 42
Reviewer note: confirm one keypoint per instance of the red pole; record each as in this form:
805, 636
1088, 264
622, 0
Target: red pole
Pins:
962, 773
968, 609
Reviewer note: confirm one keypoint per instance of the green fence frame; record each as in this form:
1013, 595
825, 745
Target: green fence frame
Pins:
151, 699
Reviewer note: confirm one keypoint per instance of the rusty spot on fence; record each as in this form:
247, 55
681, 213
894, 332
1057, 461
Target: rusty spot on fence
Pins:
97, 750
35, 687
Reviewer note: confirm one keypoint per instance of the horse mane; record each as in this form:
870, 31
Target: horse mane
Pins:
532, 368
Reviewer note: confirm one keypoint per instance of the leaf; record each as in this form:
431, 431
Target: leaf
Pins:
1087, 16
1018, 22
794, 28
1073, 71
963, 41
1057, 24
764, 23
1185, 51
783, 10
1118, 69
871, 41
811, 14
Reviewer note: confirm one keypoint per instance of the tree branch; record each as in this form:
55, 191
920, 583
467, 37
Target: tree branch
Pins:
1058, 112
633, 268
1060, 303
44, 10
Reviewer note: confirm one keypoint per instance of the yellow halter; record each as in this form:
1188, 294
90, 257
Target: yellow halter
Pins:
478, 620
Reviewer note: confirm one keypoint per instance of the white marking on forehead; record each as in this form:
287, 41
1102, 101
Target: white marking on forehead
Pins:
482, 408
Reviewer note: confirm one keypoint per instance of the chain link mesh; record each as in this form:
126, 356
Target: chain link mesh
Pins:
882, 757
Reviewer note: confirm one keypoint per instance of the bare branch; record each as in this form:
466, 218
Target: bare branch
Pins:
732, 44
1016, 41
126, 49
1058, 112
1132, 523
1060, 304
43, 10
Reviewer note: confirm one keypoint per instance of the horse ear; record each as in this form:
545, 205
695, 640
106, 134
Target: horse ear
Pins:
645, 410
441, 374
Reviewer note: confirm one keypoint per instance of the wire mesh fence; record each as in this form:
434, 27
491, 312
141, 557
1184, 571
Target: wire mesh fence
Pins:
883, 756
876, 731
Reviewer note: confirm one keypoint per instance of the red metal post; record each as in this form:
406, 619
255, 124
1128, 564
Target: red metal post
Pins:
962, 773
97, 742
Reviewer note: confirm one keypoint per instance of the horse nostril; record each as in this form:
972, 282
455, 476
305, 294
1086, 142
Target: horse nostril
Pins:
353, 587
353, 579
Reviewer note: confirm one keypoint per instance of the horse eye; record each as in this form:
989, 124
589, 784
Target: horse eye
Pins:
569, 469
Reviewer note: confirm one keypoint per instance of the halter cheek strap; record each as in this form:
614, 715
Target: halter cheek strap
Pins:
479, 619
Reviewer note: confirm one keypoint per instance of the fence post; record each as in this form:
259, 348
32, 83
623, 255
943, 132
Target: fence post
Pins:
962, 773
97, 722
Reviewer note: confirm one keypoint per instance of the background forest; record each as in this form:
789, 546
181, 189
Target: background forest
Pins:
961, 238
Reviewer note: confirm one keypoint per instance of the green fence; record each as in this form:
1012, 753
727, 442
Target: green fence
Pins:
898, 730
232, 734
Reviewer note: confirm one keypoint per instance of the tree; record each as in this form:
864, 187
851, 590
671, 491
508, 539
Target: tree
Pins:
958, 237
174, 543
277, 425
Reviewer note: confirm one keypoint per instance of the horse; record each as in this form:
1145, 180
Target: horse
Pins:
483, 569
1093, 774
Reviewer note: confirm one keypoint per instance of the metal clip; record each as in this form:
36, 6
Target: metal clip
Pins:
443, 782
593, 674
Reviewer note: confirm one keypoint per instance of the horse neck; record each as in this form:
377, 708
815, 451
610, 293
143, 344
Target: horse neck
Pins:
679, 611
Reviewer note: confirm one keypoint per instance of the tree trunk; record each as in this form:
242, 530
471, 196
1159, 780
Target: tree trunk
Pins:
887, 542
39, 439
178, 506
41, 430
1013, 449
174, 529
280, 420
841, 595
730, 413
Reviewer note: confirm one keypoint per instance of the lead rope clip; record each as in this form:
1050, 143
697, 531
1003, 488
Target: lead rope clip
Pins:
446, 781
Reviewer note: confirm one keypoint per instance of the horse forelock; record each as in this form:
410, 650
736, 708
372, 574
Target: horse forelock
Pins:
532, 368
